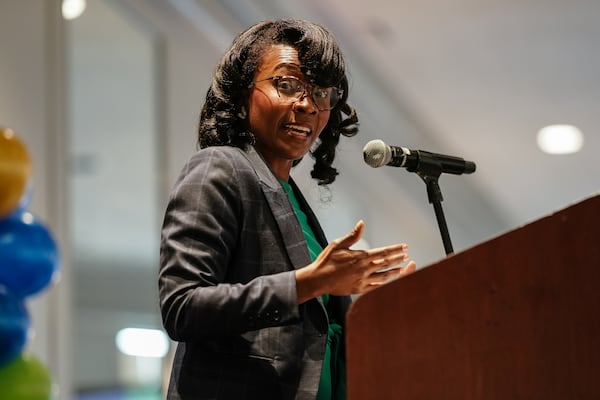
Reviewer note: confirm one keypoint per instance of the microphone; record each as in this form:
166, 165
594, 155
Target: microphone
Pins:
377, 154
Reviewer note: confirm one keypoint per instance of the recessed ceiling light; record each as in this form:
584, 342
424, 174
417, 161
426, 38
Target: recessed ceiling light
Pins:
560, 139
72, 9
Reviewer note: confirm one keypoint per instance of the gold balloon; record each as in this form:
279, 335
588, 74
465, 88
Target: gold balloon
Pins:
15, 170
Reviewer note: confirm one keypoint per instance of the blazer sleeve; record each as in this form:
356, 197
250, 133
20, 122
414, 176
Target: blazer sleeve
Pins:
201, 232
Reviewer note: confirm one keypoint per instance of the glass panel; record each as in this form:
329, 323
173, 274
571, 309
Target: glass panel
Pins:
115, 215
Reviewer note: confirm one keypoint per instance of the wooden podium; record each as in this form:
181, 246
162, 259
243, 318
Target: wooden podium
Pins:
516, 317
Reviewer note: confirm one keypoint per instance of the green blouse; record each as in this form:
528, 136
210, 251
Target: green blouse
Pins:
333, 376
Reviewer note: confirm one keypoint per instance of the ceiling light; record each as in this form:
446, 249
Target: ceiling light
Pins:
560, 139
142, 342
72, 9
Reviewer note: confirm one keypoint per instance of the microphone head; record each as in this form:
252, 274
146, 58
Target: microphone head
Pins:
377, 154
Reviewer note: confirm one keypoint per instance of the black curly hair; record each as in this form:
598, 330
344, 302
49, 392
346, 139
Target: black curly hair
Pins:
320, 59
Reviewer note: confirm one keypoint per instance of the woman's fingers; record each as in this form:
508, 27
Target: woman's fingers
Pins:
380, 263
382, 277
410, 268
383, 251
381, 258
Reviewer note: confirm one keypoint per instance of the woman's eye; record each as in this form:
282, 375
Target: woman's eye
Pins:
289, 86
321, 93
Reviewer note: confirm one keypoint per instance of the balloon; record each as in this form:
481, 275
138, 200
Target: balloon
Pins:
14, 325
25, 378
29, 258
15, 170
23, 204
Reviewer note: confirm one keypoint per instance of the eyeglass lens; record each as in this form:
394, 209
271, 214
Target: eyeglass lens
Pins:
292, 87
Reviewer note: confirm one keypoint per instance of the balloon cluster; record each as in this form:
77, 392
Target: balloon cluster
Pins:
29, 262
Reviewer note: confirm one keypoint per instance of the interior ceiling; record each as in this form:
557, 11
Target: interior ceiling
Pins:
483, 77
477, 79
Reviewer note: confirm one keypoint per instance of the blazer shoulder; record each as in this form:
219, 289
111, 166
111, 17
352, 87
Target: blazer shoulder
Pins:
232, 154
245, 160
216, 160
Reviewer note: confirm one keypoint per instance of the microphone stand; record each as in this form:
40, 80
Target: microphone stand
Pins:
430, 171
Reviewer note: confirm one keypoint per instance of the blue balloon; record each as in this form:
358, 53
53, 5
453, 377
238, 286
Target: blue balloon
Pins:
29, 258
14, 326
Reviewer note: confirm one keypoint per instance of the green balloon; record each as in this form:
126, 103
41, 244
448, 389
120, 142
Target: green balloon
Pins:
25, 378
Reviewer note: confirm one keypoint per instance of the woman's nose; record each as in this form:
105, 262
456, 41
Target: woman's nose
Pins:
305, 104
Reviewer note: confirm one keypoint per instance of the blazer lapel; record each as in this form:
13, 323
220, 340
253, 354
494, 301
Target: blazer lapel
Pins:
282, 210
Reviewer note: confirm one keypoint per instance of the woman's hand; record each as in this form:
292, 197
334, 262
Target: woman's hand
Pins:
339, 270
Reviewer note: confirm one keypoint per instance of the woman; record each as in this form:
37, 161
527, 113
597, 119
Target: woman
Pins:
248, 285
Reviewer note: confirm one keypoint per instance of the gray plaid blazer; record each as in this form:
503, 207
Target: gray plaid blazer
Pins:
230, 243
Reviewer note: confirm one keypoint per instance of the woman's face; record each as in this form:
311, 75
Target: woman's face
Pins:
284, 130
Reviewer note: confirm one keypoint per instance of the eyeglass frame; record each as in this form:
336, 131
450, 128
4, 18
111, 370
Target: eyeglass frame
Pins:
304, 85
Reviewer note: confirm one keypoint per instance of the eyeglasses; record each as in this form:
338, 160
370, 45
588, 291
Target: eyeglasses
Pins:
294, 89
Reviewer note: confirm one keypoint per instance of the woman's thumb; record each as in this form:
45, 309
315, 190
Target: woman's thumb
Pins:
352, 237
344, 242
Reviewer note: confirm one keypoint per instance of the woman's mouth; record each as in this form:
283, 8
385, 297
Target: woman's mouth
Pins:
298, 130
